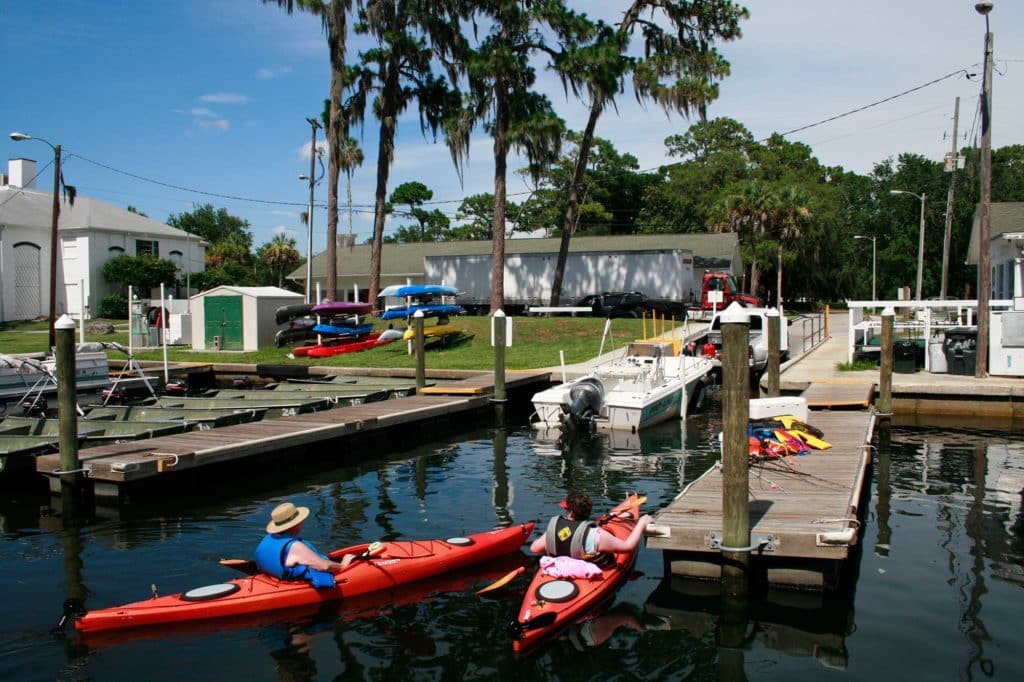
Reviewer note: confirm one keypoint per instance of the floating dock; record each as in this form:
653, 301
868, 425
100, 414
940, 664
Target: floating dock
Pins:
805, 511
112, 468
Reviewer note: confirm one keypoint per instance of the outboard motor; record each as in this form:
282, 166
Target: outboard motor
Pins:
241, 382
585, 399
176, 387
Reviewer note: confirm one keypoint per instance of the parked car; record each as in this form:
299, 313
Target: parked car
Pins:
614, 303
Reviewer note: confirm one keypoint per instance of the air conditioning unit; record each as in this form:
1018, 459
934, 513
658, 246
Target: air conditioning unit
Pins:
218, 342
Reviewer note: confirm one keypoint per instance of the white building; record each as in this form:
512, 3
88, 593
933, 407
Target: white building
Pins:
90, 233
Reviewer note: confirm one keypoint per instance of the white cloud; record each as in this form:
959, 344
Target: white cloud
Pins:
202, 111
268, 72
221, 124
321, 144
286, 231
224, 98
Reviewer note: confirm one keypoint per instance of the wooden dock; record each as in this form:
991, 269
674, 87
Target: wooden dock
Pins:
112, 467
805, 511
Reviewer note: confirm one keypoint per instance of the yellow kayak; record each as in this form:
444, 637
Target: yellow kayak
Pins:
433, 330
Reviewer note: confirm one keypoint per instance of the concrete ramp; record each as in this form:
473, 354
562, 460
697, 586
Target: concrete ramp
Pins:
830, 394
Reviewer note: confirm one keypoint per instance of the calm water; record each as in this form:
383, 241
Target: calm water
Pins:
936, 590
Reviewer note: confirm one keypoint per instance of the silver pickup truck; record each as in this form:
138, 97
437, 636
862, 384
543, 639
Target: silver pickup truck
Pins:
758, 339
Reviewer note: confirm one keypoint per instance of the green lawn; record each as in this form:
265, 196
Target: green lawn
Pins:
536, 343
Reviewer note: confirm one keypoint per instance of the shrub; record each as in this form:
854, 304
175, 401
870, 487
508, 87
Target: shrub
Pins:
114, 307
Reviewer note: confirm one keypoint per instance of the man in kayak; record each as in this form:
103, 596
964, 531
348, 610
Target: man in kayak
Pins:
284, 554
575, 536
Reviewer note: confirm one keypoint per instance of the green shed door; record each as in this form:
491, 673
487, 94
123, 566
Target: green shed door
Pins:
223, 316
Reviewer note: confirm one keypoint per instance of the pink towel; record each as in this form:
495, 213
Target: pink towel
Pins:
567, 567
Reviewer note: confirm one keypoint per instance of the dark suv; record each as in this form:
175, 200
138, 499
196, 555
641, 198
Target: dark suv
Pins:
615, 303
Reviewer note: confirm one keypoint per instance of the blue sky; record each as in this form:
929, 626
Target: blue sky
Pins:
213, 95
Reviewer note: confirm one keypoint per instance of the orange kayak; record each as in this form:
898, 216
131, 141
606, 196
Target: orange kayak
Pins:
552, 604
400, 562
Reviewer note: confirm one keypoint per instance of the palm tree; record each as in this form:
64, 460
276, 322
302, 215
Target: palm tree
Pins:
500, 81
398, 71
334, 20
678, 71
750, 211
794, 214
280, 254
351, 158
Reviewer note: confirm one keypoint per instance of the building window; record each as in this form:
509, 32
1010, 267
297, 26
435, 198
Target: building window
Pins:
70, 249
147, 247
115, 251
176, 257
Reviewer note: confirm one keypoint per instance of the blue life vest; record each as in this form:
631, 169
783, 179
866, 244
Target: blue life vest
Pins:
272, 552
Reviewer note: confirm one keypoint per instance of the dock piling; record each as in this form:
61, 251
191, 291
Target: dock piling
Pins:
884, 409
774, 335
735, 465
67, 414
498, 325
421, 369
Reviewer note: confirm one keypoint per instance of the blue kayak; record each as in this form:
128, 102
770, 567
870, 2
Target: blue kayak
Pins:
416, 290
428, 310
332, 330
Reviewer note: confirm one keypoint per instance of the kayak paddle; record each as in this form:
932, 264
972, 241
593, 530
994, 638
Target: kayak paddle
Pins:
504, 580
248, 566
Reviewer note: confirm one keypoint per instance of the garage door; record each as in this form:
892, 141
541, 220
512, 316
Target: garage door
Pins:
28, 291
223, 316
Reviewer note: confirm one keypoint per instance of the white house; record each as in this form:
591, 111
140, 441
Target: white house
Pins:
1006, 237
90, 233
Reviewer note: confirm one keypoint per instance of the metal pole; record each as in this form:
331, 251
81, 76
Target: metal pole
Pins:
735, 464
885, 365
54, 219
774, 334
984, 231
874, 269
498, 325
131, 322
81, 311
164, 314
920, 248
309, 213
67, 414
947, 233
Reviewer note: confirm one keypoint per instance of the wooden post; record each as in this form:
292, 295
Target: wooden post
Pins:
884, 408
498, 325
421, 369
774, 334
826, 322
735, 465
67, 413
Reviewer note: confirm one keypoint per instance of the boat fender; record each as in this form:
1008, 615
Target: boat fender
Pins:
208, 592
557, 591
836, 537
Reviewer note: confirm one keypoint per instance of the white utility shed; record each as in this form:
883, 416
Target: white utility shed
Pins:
237, 318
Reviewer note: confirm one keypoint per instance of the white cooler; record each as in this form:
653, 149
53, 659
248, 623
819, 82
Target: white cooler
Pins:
762, 408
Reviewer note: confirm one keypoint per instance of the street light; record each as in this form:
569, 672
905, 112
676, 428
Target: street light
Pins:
985, 227
54, 217
314, 156
920, 240
874, 264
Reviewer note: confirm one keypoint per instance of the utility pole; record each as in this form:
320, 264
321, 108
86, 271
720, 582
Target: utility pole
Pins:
949, 202
985, 229
314, 124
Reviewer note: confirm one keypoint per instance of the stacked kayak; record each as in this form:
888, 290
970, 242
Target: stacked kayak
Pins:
400, 562
355, 345
426, 309
552, 604
421, 291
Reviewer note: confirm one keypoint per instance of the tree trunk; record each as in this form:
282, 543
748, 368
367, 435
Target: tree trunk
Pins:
501, 122
385, 154
337, 28
755, 276
572, 208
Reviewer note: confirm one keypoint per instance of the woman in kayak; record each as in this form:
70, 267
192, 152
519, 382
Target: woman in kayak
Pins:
575, 536
284, 554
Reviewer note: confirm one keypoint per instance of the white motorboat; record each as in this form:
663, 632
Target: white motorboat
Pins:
646, 385
24, 379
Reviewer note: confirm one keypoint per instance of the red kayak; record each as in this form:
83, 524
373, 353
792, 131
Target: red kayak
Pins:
327, 344
552, 604
357, 345
398, 563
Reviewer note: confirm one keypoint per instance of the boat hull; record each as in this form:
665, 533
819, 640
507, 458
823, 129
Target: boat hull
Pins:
401, 562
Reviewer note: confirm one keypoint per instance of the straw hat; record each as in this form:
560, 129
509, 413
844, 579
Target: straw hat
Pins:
286, 515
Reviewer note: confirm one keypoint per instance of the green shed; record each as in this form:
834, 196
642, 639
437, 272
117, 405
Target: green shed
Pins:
237, 318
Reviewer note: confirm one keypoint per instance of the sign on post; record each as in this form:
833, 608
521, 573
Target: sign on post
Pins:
508, 329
